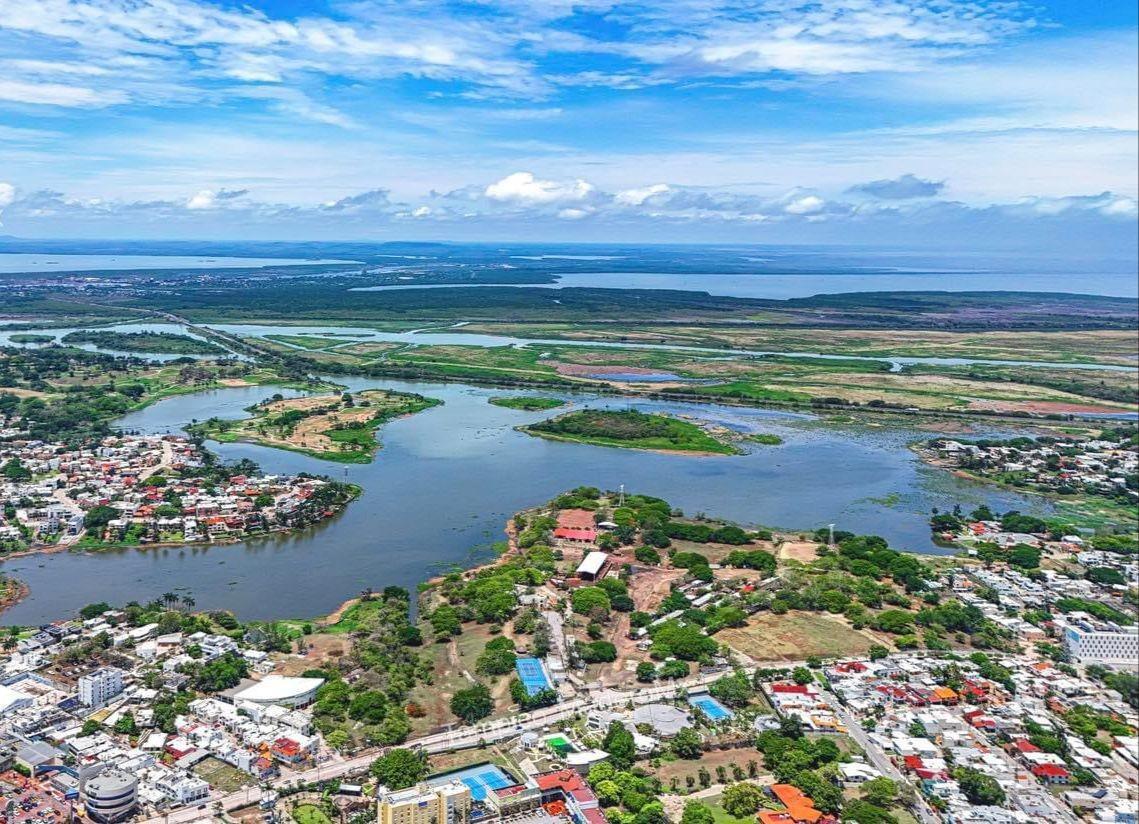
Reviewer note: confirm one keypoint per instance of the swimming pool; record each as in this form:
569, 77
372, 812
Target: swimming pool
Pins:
482, 779
532, 675
710, 707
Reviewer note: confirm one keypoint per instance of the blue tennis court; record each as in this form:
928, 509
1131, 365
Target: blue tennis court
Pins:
483, 779
532, 675
710, 707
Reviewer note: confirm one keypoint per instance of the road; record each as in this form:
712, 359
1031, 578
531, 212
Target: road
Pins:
877, 757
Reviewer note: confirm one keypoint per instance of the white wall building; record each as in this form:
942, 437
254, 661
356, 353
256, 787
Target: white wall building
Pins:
1089, 644
98, 687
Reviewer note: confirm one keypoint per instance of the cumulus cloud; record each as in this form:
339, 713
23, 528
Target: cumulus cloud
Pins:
899, 188
522, 201
524, 188
209, 199
637, 197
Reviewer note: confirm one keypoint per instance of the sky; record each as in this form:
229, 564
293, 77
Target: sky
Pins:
935, 122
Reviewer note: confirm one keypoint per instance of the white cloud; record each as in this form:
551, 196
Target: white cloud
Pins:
209, 199
523, 187
573, 214
7, 194
805, 205
636, 197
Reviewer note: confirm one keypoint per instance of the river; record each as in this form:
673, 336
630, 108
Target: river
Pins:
447, 479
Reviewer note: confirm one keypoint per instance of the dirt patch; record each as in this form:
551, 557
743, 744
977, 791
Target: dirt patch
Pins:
803, 551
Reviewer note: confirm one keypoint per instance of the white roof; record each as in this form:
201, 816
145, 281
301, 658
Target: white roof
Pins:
12, 699
593, 562
276, 688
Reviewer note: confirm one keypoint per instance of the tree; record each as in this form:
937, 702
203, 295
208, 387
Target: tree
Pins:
878, 652
863, 812
472, 703
497, 658
89, 727
651, 813
1024, 556
646, 672
445, 621
735, 690
400, 768
619, 744
586, 599
880, 791
126, 725
742, 800
697, 813
598, 652
802, 676
369, 707
687, 744
791, 726
979, 788
99, 516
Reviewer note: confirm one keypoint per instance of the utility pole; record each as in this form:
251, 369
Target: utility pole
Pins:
621, 496
831, 528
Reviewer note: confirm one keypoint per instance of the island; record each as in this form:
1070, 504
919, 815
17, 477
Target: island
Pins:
528, 403
30, 337
765, 438
166, 343
336, 427
631, 429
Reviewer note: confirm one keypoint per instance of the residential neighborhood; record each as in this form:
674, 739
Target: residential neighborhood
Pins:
145, 489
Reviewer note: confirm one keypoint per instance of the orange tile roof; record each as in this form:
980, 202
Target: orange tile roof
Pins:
800, 806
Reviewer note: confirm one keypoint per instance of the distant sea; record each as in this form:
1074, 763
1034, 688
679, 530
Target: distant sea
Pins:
738, 271
30, 262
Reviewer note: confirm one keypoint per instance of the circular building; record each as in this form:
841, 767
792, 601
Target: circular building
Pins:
111, 796
665, 719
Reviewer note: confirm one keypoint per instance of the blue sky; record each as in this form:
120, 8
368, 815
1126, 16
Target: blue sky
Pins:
778, 121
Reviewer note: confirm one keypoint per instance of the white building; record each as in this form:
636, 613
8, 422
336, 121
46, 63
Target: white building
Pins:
183, 789
98, 687
1102, 644
110, 796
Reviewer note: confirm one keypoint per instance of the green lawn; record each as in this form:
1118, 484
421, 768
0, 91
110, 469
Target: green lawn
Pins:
310, 814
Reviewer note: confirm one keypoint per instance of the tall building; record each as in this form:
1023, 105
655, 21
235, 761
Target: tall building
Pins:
1091, 642
448, 803
98, 687
110, 796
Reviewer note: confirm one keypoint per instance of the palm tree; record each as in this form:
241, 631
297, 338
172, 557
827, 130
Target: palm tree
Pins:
169, 598
188, 601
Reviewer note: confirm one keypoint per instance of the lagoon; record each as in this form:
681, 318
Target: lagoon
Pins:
446, 480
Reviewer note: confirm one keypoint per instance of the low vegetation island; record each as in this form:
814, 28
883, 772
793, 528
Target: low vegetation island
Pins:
167, 343
528, 403
631, 429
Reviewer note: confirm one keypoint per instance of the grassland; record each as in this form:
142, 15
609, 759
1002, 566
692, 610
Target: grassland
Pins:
527, 403
795, 636
334, 427
1064, 346
631, 429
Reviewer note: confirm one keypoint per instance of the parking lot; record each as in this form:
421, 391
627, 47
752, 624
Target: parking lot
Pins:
27, 801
